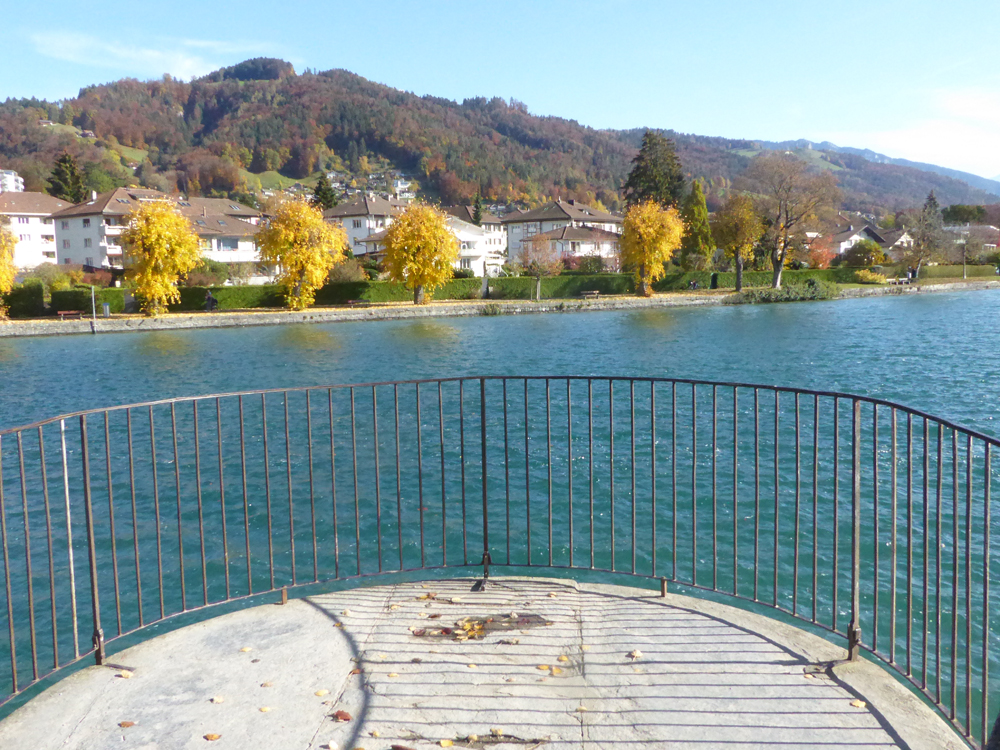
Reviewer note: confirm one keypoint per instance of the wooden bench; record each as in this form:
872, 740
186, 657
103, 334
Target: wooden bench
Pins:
358, 303
590, 294
63, 314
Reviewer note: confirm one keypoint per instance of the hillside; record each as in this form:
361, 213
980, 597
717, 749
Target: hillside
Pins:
258, 124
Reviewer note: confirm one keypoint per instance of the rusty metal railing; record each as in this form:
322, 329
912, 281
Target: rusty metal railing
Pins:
857, 517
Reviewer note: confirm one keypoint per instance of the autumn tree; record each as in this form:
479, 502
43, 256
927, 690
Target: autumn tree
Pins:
789, 197
7, 268
66, 180
929, 238
160, 247
303, 246
650, 236
864, 254
324, 196
737, 229
539, 258
656, 173
697, 246
420, 250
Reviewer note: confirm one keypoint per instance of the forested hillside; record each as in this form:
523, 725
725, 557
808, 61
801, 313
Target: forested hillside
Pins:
258, 122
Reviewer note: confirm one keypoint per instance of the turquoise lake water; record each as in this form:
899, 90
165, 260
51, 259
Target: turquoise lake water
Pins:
937, 352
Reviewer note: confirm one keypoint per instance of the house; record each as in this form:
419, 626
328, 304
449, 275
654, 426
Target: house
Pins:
88, 233
892, 241
496, 232
582, 242
523, 225
363, 216
476, 253
11, 181
985, 235
31, 225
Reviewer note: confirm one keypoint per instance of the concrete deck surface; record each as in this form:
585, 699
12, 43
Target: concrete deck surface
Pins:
706, 676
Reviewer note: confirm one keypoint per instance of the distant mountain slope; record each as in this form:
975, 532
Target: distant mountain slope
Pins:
244, 125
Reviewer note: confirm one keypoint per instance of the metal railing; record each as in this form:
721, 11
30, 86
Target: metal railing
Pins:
859, 517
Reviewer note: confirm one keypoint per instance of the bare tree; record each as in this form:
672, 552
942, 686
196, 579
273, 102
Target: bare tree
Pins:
539, 258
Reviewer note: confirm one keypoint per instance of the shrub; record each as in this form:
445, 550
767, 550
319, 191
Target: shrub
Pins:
812, 289
26, 300
79, 299
491, 308
463, 273
864, 276
349, 270
208, 273
591, 264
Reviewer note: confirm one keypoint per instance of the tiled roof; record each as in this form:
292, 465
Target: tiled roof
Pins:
216, 206
365, 206
583, 234
117, 202
30, 203
465, 213
560, 210
219, 225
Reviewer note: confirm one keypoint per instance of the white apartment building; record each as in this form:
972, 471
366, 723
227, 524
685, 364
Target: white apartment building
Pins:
496, 232
475, 254
31, 226
581, 242
11, 181
89, 233
523, 225
362, 217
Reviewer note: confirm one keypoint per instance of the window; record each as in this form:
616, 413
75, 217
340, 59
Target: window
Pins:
110, 222
65, 244
88, 262
87, 242
48, 238
235, 207
222, 223
23, 220
24, 237
357, 223
466, 263
64, 224
228, 243
47, 221
86, 223
49, 254
67, 261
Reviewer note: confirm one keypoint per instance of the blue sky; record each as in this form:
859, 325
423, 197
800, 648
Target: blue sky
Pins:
916, 79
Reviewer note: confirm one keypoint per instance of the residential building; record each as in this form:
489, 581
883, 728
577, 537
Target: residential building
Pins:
476, 253
89, 233
31, 225
582, 242
11, 181
892, 241
496, 232
362, 217
985, 235
523, 225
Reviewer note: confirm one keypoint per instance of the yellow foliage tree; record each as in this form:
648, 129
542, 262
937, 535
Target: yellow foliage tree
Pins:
7, 268
160, 247
304, 246
649, 237
420, 251
738, 228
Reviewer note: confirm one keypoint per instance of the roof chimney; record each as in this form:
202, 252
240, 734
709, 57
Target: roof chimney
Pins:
93, 195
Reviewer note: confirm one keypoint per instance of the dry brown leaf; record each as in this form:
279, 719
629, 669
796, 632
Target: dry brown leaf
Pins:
342, 716
858, 704
125, 674
213, 737
321, 693
400, 747
126, 724
356, 670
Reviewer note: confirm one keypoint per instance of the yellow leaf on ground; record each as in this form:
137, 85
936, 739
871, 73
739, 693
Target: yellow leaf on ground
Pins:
245, 649
392, 674
218, 699
266, 684
543, 667
125, 674
446, 743
563, 657
321, 693
264, 709
213, 737
556, 670
126, 724
858, 704
471, 666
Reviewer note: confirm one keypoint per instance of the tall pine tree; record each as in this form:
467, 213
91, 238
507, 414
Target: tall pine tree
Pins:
324, 196
66, 181
656, 173
477, 210
697, 246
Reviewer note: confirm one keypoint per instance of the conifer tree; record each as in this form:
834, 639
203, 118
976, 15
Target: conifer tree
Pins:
656, 173
324, 196
66, 181
697, 246
477, 210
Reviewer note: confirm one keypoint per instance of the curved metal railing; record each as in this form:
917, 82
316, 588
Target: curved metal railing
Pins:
856, 516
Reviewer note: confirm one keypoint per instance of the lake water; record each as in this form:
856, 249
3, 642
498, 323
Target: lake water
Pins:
936, 352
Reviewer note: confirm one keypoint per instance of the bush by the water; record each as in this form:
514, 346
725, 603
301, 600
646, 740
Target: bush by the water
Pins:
812, 289
864, 276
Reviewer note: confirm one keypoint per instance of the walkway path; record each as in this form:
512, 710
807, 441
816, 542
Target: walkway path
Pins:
560, 665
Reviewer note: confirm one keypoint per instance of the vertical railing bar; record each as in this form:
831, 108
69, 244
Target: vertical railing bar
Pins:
777, 482
985, 713
798, 509
894, 489
611, 461
485, 473
569, 455
312, 485
111, 524
506, 468
590, 460
399, 485
357, 499
937, 567
955, 544
836, 512
875, 529
444, 509
180, 517
222, 499
461, 452
288, 480
333, 490
815, 510
968, 583
854, 626
756, 492
420, 472
378, 480
27, 558
548, 457
736, 483
652, 472
909, 544
267, 491
527, 473
71, 565
51, 551
715, 497
694, 484
95, 598
5, 550
673, 479
631, 429
201, 516
925, 554
156, 512
246, 498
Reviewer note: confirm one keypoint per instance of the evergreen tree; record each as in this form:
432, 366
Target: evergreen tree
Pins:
477, 210
697, 246
324, 196
66, 181
928, 234
656, 173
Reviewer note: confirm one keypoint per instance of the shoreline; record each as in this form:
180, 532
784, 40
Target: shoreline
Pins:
408, 311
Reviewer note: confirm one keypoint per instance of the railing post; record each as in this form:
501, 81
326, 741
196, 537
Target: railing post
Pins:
486, 518
853, 628
98, 637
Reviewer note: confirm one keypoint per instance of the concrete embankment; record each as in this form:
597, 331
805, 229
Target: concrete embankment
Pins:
406, 311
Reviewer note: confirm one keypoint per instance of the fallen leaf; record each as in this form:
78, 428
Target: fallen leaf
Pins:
809, 677
264, 709
355, 671
374, 733
456, 599
858, 704
382, 656
543, 667
392, 674
556, 670
496, 732
321, 693
472, 738
416, 660
218, 699
582, 709
446, 743
393, 607
338, 625
400, 747
552, 594
255, 661
421, 614
563, 657
266, 684
471, 666
346, 613
245, 649
213, 737
637, 654
585, 648
126, 724
343, 716
125, 674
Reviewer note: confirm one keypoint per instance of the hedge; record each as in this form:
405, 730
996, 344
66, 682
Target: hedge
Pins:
79, 299
955, 272
26, 300
229, 297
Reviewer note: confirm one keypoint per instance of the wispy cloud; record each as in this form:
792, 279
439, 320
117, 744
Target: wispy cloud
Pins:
181, 58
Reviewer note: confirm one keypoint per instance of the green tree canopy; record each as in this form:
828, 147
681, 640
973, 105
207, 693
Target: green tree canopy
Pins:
477, 210
324, 196
697, 246
864, 254
961, 214
66, 181
656, 173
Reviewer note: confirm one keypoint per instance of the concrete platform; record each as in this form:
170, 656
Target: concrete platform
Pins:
561, 665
